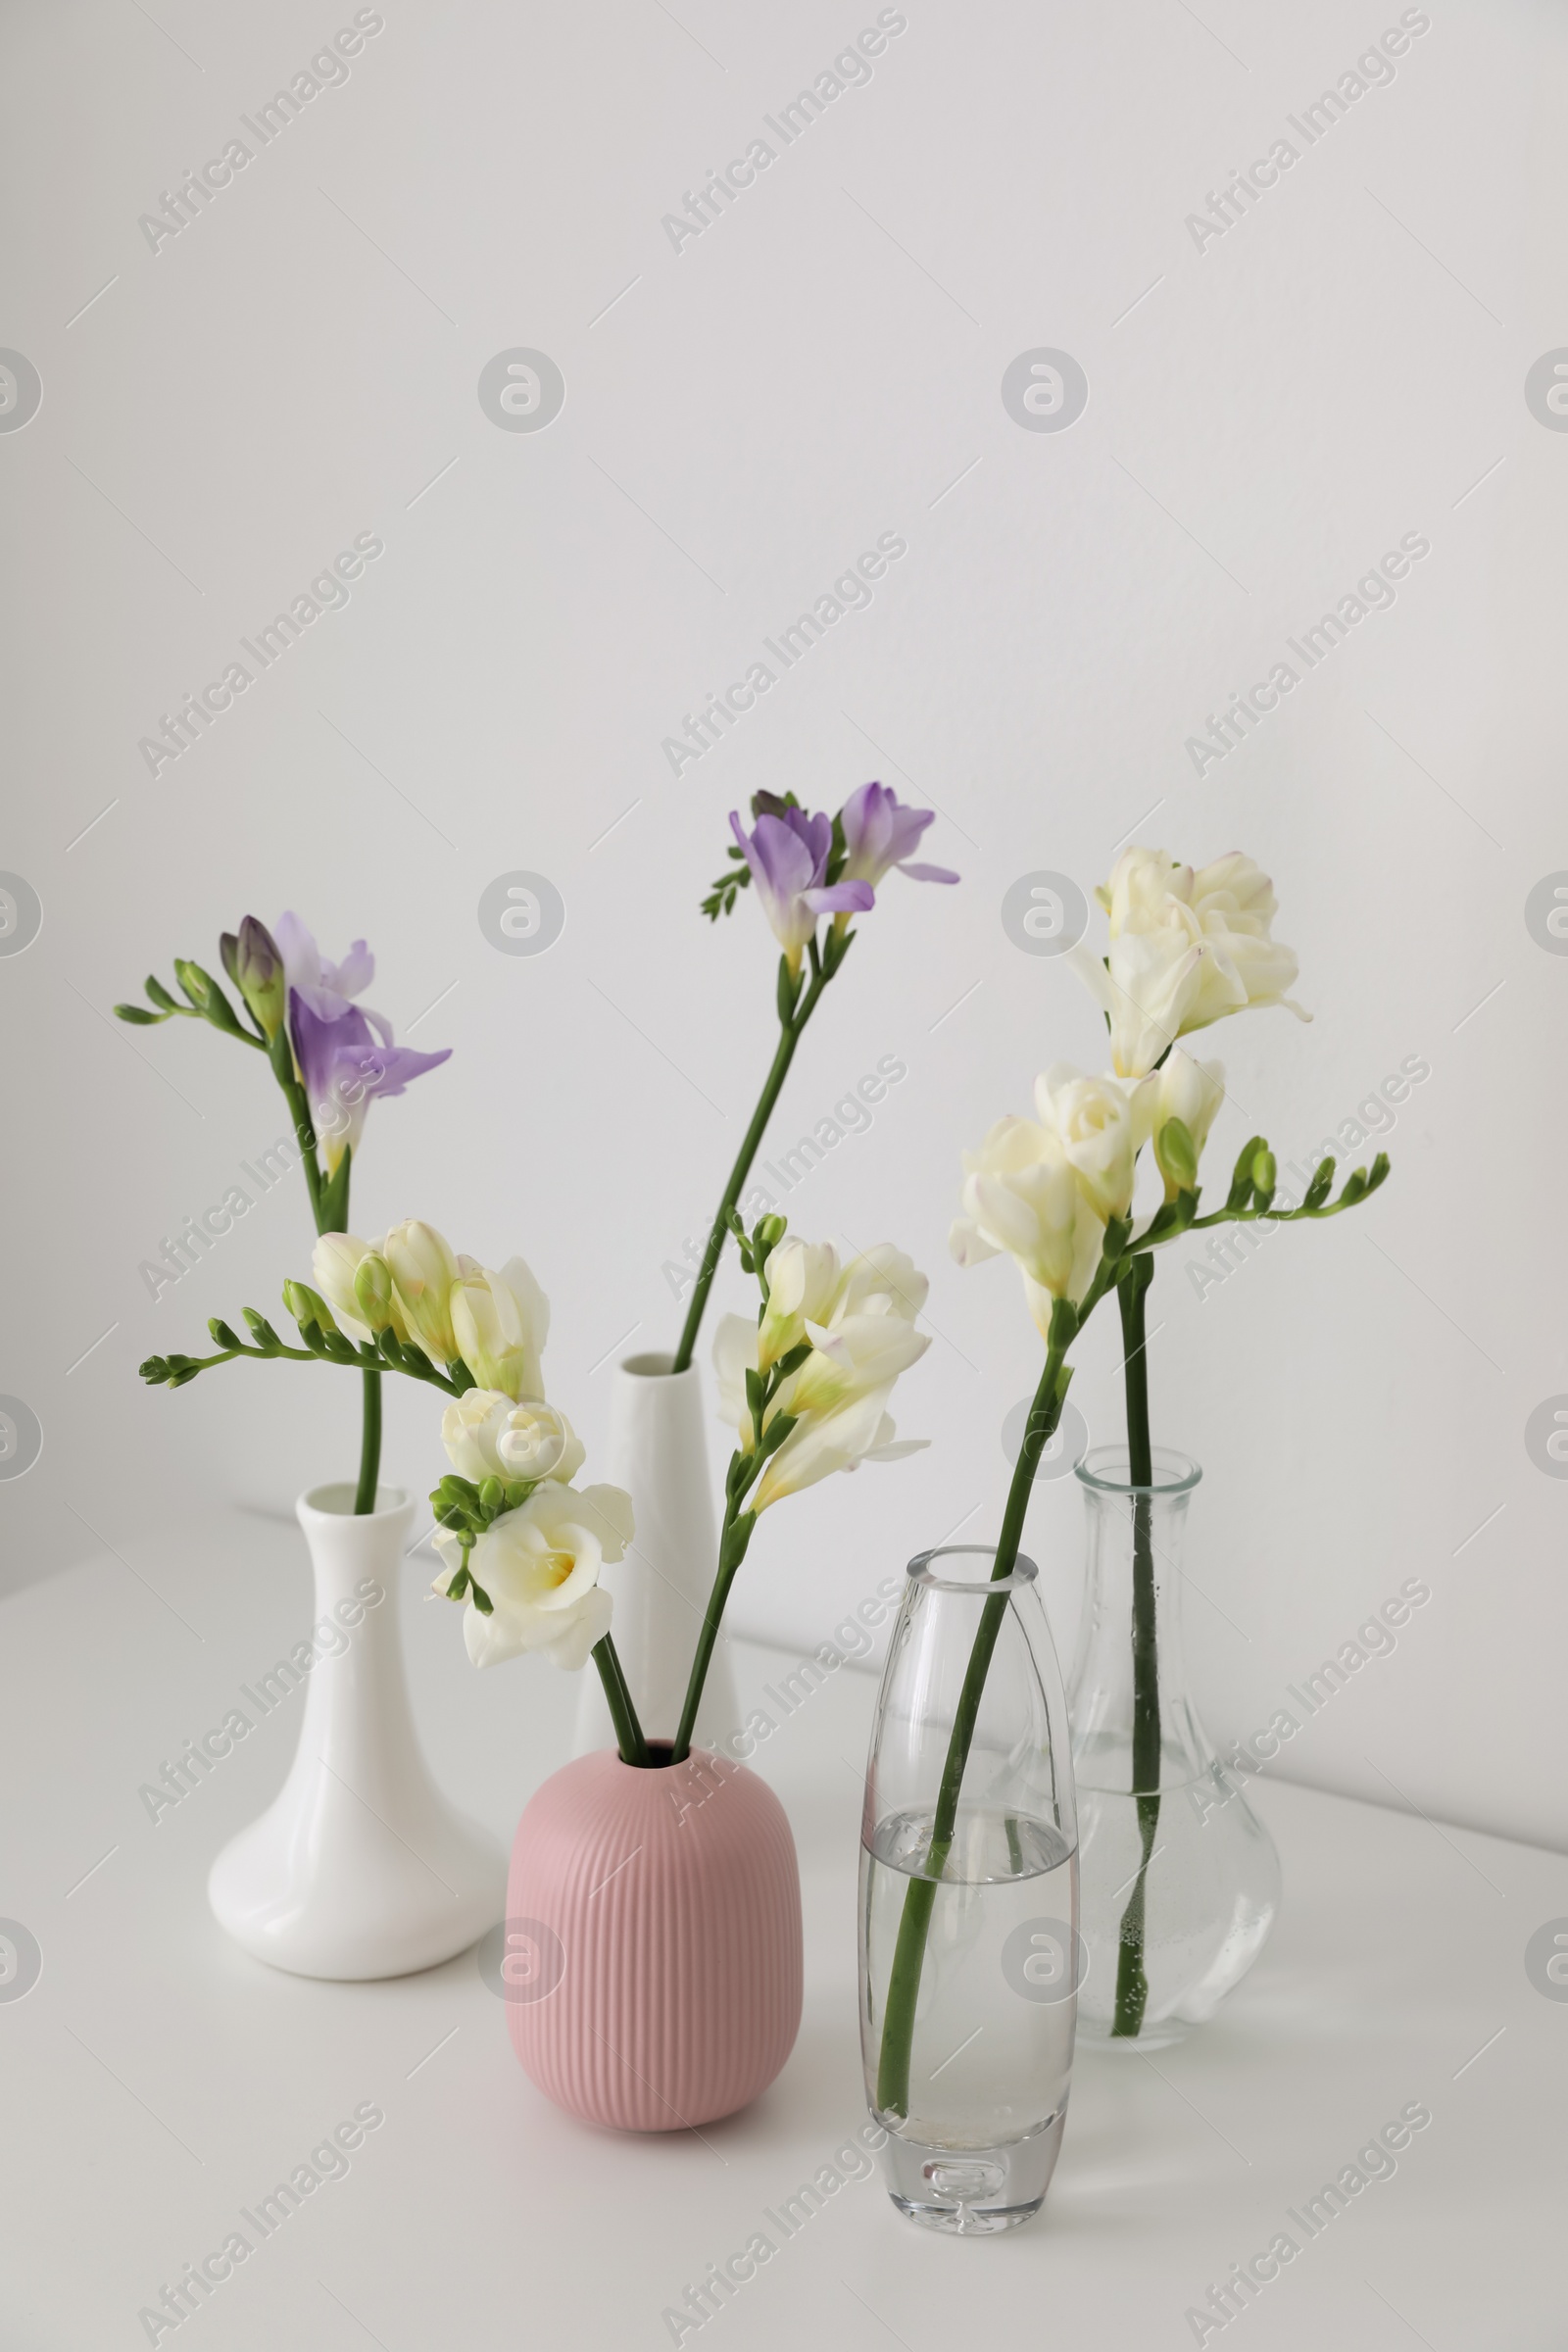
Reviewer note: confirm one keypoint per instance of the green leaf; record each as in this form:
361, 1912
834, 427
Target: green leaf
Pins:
335, 1196
788, 992
774, 1436
792, 1359
1063, 1325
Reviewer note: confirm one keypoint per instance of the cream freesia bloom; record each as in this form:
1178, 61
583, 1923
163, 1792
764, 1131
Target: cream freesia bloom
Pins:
1092, 1118
424, 1268
500, 1323
488, 1436
1183, 1089
1022, 1198
838, 1396
539, 1566
334, 1263
1188, 946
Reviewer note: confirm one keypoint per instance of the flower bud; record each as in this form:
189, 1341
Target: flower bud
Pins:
307, 1305
372, 1292
1177, 1156
424, 1271
255, 964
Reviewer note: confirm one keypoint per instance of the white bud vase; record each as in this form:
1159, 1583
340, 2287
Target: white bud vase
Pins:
360, 1867
658, 1450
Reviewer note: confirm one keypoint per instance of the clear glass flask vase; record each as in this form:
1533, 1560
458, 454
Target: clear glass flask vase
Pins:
970, 1898
1180, 1880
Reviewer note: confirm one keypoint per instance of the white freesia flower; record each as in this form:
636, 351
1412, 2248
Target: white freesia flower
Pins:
539, 1566
1022, 1198
1092, 1118
864, 1338
334, 1263
1186, 1089
1187, 947
487, 1435
803, 1278
424, 1268
500, 1323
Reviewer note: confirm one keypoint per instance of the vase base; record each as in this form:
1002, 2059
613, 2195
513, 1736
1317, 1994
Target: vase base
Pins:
377, 1914
1161, 2037
972, 2192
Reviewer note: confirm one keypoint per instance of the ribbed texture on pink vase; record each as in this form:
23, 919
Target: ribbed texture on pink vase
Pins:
675, 1897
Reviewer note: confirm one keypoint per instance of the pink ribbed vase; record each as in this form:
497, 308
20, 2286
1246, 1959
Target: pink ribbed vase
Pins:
652, 1958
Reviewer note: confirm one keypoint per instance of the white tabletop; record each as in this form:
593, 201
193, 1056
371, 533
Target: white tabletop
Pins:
156, 2081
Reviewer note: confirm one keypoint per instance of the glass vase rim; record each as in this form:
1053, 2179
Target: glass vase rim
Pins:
919, 1571
1175, 1473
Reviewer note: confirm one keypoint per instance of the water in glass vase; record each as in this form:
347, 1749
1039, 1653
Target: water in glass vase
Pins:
992, 2053
1211, 1891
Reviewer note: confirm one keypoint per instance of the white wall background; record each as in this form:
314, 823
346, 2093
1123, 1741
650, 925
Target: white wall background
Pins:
1266, 417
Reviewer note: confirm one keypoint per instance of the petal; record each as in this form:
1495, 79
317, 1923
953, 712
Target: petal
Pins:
842, 897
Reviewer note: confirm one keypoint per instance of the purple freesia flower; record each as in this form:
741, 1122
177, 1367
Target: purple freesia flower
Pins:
343, 1064
788, 855
344, 1052
880, 831
326, 988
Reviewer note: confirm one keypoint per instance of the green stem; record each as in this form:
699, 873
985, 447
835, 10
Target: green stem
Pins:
732, 1542
915, 1927
369, 1445
1132, 1981
790, 1032
617, 1694
330, 1207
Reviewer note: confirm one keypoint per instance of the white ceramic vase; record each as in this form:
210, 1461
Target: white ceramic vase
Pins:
658, 1450
360, 1867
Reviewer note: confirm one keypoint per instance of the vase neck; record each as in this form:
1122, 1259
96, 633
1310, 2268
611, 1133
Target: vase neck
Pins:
1134, 1537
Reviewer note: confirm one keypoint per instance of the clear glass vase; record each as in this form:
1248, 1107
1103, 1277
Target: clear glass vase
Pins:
970, 1898
1180, 1880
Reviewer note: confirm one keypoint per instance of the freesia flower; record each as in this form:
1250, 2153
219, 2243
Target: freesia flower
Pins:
803, 1278
487, 1435
1186, 1089
335, 1264
539, 1568
342, 1066
425, 1270
879, 833
1092, 1118
1187, 947
1022, 1198
327, 988
838, 1396
343, 1052
501, 1322
788, 856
